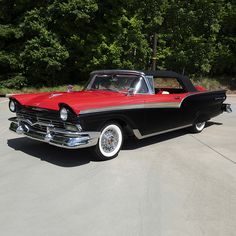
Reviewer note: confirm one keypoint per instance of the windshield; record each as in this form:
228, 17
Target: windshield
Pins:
117, 83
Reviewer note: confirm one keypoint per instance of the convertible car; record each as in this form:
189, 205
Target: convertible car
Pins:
113, 104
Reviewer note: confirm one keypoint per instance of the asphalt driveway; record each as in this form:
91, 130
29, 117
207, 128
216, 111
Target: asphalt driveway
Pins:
173, 184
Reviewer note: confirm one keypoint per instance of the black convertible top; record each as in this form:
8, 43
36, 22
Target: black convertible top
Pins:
183, 80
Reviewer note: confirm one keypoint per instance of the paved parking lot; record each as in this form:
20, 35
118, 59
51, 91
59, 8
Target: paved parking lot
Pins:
169, 185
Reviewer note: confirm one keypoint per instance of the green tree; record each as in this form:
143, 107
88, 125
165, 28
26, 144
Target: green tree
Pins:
56, 41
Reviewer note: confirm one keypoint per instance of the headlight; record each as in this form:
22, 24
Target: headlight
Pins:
12, 106
63, 114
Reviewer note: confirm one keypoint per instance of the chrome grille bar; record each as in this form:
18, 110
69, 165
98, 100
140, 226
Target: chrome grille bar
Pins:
40, 123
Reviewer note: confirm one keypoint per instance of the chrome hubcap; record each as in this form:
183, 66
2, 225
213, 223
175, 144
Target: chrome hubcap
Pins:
109, 140
200, 126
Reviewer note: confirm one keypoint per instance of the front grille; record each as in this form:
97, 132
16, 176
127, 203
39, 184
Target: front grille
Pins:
34, 118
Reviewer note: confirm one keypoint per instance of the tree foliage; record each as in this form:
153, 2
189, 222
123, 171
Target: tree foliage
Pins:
54, 41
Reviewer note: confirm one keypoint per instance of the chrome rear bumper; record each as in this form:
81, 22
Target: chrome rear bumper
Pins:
55, 136
226, 107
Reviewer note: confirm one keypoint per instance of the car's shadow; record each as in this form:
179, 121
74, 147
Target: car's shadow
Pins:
71, 158
135, 143
54, 155
210, 123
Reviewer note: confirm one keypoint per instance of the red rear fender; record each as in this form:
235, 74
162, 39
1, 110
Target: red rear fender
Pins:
200, 88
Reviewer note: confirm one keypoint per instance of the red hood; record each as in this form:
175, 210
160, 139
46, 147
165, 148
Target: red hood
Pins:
78, 101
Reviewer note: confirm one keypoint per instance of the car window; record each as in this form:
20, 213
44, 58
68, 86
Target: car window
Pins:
171, 85
151, 83
113, 82
141, 86
166, 83
118, 83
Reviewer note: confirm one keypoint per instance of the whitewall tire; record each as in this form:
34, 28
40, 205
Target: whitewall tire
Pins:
110, 142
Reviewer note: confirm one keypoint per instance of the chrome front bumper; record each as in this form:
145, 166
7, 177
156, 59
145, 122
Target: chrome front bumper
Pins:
55, 136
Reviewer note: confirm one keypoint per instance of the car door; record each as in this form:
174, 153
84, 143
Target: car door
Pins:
163, 109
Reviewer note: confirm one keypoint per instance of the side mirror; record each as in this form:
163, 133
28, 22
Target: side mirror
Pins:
69, 88
130, 92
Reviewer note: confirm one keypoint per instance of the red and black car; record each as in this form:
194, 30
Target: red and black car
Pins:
115, 102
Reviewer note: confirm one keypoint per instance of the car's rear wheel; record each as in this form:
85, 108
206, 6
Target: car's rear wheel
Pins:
198, 127
110, 142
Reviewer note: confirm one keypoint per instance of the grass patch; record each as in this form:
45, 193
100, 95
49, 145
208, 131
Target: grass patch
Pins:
208, 83
61, 88
227, 83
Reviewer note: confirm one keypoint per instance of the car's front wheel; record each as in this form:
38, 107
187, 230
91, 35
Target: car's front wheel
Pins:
198, 127
110, 142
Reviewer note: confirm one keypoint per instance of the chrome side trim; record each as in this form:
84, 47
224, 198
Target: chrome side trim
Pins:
138, 135
162, 105
126, 107
134, 106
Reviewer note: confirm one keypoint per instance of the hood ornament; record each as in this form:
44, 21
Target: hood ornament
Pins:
69, 88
